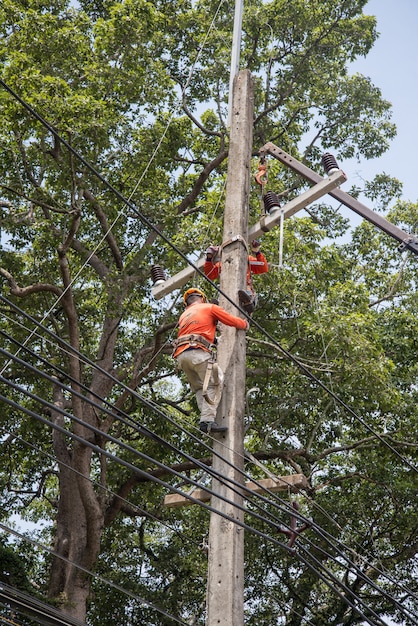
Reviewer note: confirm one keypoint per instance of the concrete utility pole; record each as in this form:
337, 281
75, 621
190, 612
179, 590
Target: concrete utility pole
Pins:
225, 589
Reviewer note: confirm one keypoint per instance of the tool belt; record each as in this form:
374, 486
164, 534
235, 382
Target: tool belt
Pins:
194, 341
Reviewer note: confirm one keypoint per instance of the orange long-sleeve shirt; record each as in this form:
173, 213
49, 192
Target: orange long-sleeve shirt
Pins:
201, 319
256, 265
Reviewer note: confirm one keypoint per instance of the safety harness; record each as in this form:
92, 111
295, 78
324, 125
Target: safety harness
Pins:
194, 341
197, 341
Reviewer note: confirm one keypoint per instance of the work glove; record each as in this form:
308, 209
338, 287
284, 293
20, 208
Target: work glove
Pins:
255, 246
212, 251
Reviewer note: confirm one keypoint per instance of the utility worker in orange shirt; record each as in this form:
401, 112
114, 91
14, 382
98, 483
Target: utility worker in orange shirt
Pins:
194, 351
257, 264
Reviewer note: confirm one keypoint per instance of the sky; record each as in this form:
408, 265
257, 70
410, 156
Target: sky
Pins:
392, 65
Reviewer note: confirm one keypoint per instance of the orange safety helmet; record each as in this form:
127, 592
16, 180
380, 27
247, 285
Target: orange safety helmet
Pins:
192, 292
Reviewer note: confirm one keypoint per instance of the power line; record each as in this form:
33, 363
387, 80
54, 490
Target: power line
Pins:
138, 509
325, 579
148, 403
100, 486
145, 513
68, 415
158, 231
319, 382
28, 605
90, 573
330, 576
329, 556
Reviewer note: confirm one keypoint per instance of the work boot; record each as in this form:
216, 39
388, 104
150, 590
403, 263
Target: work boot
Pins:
208, 427
246, 301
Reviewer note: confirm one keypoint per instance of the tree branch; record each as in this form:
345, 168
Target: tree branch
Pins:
202, 178
22, 292
114, 248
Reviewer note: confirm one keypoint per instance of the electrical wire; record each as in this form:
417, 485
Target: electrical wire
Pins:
158, 231
147, 514
329, 579
94, 575
361, 575
32, 414
28, 605
4, 620
307, 372
333, 578
134, 507
85, 477
86, 388
288, 608
62, 373
357, 572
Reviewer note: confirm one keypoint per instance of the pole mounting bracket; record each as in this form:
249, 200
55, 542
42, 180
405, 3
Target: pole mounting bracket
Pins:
294, 530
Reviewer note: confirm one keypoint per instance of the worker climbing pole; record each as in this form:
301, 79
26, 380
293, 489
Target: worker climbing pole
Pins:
195, 352
257, 264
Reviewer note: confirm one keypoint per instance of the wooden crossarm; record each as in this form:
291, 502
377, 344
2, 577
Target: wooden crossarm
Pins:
293, 483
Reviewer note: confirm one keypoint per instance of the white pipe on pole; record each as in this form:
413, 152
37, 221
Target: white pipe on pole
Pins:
235, 54
281, 238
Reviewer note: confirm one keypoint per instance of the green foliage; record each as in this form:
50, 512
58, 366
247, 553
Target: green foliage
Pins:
139, 90
13, 569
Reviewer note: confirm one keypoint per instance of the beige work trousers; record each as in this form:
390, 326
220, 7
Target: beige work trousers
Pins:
194, 363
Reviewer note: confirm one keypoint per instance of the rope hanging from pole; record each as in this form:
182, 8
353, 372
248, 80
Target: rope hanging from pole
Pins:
212, 367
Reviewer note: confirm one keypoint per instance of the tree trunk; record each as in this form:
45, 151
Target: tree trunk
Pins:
79, 524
